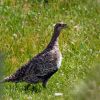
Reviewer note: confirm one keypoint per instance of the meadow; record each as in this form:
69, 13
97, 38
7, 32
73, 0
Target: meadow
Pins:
26, 27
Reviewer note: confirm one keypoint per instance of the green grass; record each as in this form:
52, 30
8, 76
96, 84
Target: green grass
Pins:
26, 28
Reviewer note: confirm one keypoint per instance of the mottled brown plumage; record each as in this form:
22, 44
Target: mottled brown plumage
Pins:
42, 66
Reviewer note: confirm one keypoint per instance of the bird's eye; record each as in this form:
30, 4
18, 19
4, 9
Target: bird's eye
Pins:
60, 25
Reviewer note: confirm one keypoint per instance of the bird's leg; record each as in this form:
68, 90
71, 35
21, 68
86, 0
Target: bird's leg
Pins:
44, 83
27, 86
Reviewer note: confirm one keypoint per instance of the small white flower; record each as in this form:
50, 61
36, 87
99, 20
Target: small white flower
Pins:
77, 27
58, 94
15, 35
71, 21
29, 98
39, 13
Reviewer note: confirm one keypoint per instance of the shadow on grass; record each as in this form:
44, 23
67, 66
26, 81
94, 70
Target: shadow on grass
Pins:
33, 88
24, 87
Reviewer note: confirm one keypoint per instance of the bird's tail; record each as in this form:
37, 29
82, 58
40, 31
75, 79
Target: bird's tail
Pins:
8, 79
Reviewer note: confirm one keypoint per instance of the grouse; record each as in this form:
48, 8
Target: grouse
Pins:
42, 66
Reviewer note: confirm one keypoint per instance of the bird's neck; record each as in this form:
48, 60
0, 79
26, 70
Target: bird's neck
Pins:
54, 39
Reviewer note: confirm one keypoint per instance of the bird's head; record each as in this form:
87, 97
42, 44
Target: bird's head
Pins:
60, 26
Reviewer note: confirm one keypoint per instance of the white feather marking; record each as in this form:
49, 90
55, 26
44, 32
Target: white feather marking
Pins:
59, 61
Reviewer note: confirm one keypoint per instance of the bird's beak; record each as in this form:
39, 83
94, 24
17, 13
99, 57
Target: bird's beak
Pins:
64, 25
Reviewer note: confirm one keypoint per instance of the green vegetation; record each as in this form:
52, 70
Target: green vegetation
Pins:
26, 27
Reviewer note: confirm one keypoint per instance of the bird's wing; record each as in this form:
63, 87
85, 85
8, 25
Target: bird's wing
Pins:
41, 65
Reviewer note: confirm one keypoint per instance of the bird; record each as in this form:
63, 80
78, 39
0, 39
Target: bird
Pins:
43, 65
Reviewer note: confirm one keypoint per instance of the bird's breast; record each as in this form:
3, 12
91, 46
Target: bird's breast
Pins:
59, 60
